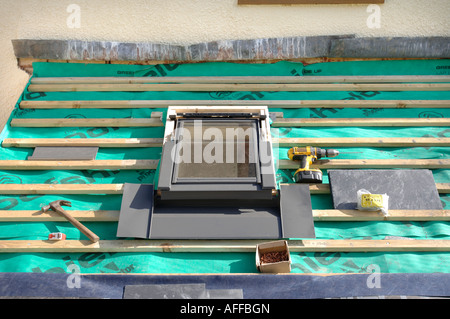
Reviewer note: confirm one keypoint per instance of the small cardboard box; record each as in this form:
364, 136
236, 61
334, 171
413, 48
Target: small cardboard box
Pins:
274, 267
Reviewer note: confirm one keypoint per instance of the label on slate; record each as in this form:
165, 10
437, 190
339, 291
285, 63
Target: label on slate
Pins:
372, 201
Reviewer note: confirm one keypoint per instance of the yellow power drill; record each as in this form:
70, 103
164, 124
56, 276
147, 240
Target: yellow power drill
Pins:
308, 155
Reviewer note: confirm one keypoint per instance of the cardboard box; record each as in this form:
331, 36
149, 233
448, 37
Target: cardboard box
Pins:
273, 267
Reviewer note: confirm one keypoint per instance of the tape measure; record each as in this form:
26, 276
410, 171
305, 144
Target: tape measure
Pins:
57, 236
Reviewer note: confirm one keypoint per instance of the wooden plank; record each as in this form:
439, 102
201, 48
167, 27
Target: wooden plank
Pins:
11, 189
51, 216
325, 215
14, 189
77, 122
100, 142
243, 79
393, 215
283, 164
34, 104
318, 189
442, 188
370, 163
313, 245
78, 165
360, 122
282, 142
238, 87
363, 142
19, 189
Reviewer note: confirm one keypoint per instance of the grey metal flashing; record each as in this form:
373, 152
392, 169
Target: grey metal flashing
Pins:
166, 166
142, 215
284, 48
97, 50
386, 47
215, 223
261, 49
42, 153
296, 211
226, 50
136, 211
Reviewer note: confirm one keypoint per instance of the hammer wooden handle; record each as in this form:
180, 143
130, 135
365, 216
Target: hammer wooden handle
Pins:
93, 237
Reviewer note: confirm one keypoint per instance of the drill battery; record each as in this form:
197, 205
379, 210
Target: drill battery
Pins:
308, 176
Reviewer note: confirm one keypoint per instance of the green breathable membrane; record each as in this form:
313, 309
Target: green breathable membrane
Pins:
402, 262
337, 262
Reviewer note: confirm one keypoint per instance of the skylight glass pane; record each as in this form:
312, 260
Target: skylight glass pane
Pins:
217, 149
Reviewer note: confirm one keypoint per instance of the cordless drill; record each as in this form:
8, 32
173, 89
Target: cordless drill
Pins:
308, 155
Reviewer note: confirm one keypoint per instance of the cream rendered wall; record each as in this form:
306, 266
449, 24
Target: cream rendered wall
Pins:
193, 21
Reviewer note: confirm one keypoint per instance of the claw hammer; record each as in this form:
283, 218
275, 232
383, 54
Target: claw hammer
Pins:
56, 206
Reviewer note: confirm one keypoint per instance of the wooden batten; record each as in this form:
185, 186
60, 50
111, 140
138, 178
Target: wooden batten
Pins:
363, 142
141, 246
100, 142
11, 189
214, 87
80, 104
78, 165
322, 215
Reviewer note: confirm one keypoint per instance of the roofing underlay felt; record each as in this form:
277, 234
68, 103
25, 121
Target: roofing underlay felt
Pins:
205, 262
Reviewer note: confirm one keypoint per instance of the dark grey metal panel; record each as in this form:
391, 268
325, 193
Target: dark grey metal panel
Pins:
139, 218
42, 153
136, 210
215, 223
166, 166
142, 217
216, 191
296, 211
407, 189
